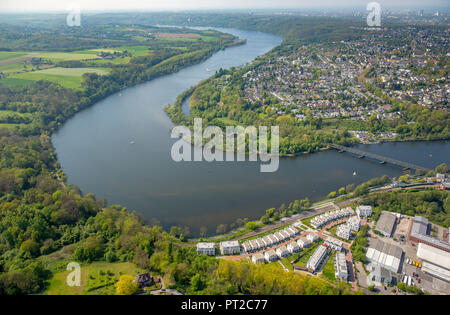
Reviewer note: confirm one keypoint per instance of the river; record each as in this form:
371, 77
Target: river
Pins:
119, 149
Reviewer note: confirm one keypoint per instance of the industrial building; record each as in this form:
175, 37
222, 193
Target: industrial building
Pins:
206, 248
340, 267
385, 255
386, 223
434, 261
380, 274
419, 234
316, 258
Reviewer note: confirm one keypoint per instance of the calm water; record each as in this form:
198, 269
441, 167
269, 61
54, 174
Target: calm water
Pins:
95, 150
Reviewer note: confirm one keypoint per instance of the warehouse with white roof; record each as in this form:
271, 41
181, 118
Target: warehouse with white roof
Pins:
435, 261
385, 255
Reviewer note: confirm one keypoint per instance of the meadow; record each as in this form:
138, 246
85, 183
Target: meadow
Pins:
66, 77
96, 278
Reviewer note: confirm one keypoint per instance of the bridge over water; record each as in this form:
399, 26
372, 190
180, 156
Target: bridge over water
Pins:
381, 159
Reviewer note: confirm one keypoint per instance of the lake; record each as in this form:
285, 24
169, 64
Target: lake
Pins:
119, 149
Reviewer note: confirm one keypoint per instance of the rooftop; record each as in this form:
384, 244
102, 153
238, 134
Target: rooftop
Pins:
434, 255
386, 222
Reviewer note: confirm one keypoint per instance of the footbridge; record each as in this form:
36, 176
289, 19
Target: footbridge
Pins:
381, 159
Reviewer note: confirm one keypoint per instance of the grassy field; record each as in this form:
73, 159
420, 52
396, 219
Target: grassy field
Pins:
306, 253
67, 77
328, 269
96, 278
6, 55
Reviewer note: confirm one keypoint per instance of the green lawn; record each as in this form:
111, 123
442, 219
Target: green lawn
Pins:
96, 278
328, 269
306, 253
5, 55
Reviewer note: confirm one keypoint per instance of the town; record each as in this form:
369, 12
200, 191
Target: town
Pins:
404, 254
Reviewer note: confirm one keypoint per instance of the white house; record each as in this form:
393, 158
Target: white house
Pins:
313, 237
364, 211
303, 242
258, 258
206, 248
270, 255
333, 243
293, 247
316, 258
282, 251
340, 267
266, 239
260, 242
344, 231
230, 248
246, 247
355, 223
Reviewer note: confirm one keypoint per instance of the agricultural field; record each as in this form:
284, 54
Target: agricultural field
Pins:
66, 77
96, 278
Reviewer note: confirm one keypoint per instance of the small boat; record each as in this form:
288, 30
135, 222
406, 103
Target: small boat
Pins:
354, 173
131, 142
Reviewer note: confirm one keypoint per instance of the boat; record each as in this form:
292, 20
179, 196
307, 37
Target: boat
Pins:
354, 173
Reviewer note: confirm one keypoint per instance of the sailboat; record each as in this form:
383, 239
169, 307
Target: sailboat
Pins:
354, 173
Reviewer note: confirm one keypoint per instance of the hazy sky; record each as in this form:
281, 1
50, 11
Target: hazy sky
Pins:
62, 5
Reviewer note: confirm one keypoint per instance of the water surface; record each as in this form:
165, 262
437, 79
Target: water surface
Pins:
119, 149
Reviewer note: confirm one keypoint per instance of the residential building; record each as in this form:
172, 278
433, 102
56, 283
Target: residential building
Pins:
206, 248
303, 242
333, 243
293, 247
144, 280
316, 258
340, 267
230, 248
313, 237
270, 256
282, 252
354, 223
258, 258
268, 241
344, 231
364, 211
